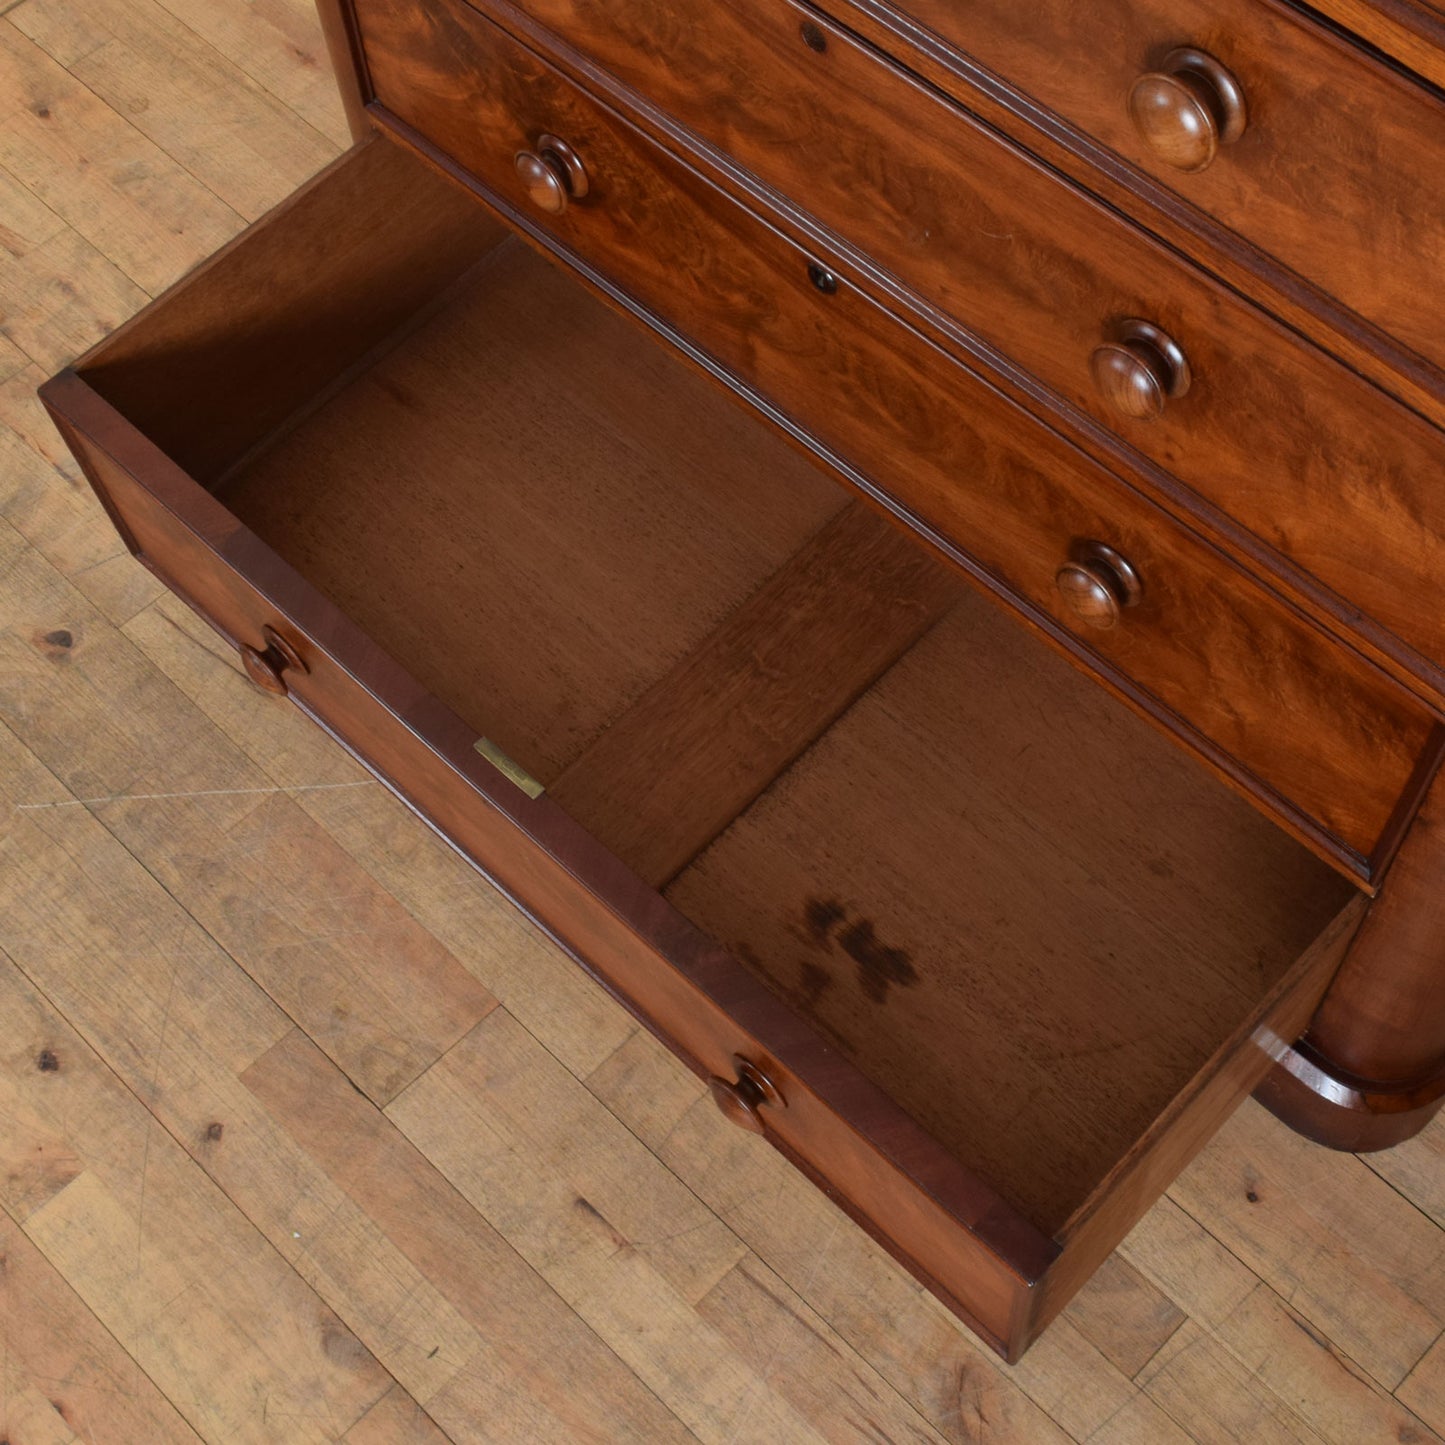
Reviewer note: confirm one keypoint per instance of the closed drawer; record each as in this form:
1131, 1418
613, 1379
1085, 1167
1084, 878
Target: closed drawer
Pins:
1274, 433
971, 944
1226, 659
1336, 171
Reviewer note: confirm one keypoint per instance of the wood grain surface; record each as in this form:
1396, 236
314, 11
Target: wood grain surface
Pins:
1277, 435
732, 716
1333, 172
1185, 1336
936, 956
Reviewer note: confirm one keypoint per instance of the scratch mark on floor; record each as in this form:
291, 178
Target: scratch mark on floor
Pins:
191, 793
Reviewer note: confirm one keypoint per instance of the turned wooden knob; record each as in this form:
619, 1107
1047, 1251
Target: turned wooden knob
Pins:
267, 668
741, 1099
1097, 584
1138, 371
553, 174
1187, 109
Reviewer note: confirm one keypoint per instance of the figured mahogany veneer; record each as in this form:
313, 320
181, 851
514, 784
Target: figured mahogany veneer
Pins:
719, 693
1337, 172
1277, 435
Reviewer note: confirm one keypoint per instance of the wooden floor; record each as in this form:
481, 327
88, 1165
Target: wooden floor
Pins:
306, 1136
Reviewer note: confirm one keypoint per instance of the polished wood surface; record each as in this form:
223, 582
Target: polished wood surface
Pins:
1185, 1335
1275, 436
928, 436
1371, 1068
1188, 108
1335, 172
1411, 32
265, 360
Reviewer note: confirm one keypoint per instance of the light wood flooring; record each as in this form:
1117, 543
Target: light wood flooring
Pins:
306, 1136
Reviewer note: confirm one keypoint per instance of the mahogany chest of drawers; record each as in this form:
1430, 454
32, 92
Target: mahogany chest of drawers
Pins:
907, 535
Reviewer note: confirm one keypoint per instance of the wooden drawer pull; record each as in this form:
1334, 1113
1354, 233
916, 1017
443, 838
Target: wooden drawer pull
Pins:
741, 1101
1185, 111
1140, 370
267, 669
553, 174
1098, 583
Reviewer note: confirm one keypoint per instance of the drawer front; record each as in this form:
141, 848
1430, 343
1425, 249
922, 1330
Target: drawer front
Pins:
943, 1223
1273, 432
1217, 652
1337, 171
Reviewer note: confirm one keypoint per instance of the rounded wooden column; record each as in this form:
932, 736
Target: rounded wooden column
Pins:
1369, 1072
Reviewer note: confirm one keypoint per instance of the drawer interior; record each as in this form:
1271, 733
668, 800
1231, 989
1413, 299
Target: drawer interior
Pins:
1013, 905
536, 514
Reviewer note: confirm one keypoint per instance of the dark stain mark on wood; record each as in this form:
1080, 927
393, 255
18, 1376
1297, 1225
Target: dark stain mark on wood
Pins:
815, 980
47, 1061
342, 1346
823, 916
748, 955
214, 1132
879, 966
55, 644
401, 395
813, 36
619, 1239
1315, 1335
1251, 1184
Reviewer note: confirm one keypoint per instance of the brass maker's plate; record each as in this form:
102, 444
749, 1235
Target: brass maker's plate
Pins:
513, 771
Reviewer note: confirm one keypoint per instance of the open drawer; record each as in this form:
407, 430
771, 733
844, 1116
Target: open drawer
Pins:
981, 952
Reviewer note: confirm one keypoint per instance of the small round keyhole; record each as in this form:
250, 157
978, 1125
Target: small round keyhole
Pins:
822, 278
